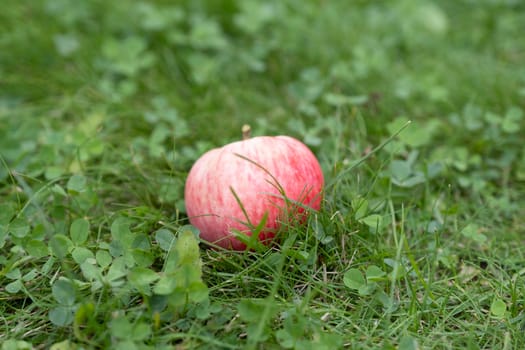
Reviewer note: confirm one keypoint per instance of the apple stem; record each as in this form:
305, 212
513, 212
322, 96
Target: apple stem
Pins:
246, 131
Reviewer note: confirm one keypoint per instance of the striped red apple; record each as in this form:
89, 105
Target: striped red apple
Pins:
257, 184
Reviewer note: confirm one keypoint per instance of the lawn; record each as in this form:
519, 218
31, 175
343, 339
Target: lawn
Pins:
415, 110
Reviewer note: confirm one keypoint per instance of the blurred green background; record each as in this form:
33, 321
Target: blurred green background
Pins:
160, 73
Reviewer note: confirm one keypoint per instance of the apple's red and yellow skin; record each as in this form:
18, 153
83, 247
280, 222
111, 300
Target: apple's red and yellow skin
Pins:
259, 173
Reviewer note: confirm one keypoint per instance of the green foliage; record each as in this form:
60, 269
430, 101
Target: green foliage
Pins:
372, 284
64, 293
414, 108
498, 308
300, 332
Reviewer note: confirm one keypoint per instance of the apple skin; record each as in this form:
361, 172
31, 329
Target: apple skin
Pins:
258, 170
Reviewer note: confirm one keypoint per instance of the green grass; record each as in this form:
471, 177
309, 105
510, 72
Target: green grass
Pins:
104, 107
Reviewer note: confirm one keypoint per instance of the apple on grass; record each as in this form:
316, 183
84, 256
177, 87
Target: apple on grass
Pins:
254, 185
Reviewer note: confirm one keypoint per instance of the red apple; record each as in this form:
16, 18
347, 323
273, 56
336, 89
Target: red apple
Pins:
233, 189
